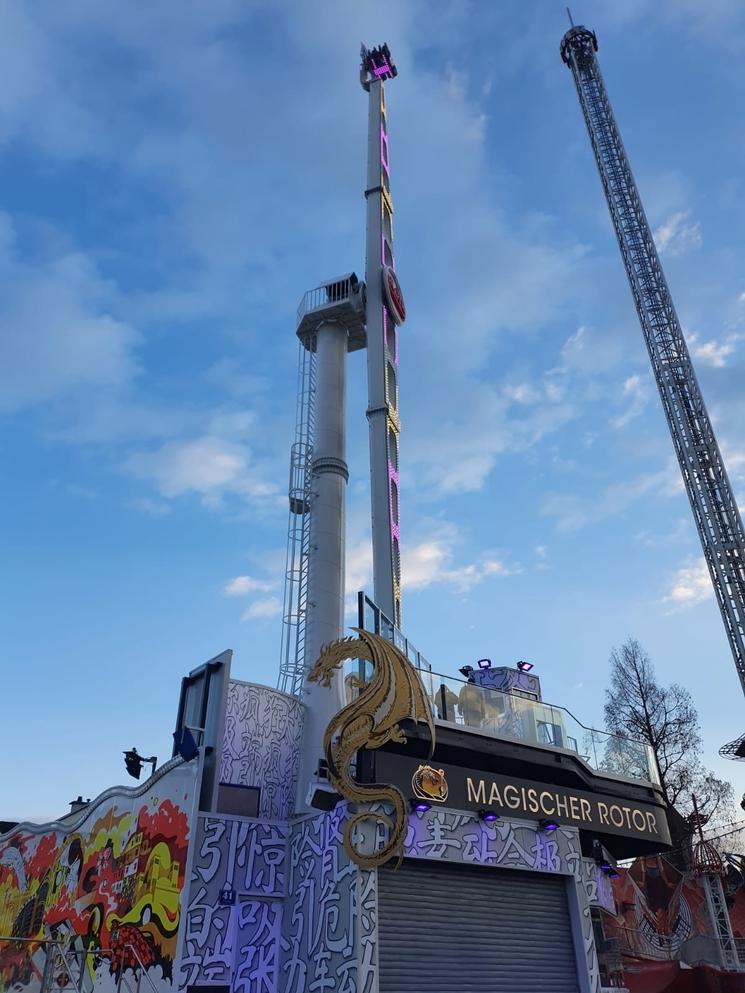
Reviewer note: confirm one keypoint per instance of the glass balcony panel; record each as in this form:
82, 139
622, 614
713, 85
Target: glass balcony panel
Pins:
386, 628
371, 616
503, 715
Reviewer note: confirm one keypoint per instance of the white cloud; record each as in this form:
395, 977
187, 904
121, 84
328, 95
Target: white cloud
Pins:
682, 532
635, 392
713, 353
678, 235
428, 562
734, 459
572, 512
199, 133
690, 585
521, 393
424, 563
60, 336
263, 609
153, 508
209, 466
359, 566
247, 584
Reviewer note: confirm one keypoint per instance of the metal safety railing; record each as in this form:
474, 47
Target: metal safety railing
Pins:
336, 291
371, 618
505, 715
64, 968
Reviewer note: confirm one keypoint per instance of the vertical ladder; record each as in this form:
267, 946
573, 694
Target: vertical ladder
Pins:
294, 611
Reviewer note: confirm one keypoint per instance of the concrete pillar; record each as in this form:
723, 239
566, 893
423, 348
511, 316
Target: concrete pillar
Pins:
325, 619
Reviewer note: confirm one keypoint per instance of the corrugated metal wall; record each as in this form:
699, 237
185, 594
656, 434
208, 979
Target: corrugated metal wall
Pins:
445, 928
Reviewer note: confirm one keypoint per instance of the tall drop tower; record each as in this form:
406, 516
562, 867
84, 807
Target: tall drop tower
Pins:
385, 311
340, 316
709, 491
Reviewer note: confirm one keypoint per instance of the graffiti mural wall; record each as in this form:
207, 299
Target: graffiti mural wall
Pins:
109, 884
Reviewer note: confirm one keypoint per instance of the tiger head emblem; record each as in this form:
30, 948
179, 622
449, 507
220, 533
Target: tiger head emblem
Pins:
429, 783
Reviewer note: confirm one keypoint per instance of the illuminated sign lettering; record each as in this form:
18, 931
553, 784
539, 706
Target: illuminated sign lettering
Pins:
511, 796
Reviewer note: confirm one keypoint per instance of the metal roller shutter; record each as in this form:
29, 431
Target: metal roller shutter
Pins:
447, 928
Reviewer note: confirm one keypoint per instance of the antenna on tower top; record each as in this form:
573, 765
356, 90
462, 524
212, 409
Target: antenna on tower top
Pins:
569, 15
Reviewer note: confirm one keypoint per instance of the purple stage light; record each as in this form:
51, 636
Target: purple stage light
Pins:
524, 666
484, 663
609, 869
547, 825
489, 816
420, 806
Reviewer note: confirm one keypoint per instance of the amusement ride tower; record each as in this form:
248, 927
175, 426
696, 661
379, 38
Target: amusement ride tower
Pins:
385, 310
340, 316
707, 485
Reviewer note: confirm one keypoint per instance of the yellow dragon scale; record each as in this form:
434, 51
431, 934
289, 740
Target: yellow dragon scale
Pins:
393, 694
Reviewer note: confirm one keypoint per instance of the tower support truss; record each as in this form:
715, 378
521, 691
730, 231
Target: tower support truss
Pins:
382, 342
707, 485
720, 917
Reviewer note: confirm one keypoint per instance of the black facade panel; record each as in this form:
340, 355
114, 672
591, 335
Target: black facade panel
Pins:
445, 928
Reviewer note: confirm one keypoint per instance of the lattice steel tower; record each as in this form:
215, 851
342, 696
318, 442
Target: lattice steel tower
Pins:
709, 491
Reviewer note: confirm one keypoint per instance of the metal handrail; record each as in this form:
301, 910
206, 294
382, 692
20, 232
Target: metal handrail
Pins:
592, 736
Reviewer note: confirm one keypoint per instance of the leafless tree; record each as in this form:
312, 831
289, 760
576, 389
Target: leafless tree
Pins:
665, 717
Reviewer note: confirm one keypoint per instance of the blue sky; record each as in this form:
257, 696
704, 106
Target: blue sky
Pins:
174, 176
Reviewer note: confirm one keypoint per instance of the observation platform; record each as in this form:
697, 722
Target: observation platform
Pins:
343, 300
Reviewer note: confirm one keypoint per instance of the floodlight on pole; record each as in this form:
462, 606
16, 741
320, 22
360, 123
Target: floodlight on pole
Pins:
134, 762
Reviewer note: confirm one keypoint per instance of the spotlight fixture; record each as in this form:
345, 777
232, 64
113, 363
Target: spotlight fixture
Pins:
489, 816
484, 663
524, 666
603, 859
547, 825
419, 806
134, 762
609, 870
466, 670
322, 796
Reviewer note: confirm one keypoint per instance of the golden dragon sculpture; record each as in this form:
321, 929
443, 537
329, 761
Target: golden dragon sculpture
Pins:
393, 694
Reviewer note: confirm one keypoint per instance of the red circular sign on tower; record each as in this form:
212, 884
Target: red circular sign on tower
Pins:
393, 295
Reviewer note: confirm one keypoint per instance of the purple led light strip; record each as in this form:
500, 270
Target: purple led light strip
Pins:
384, 151
395, 530
380, 70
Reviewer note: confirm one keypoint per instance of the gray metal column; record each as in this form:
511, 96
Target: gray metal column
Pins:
325, 604
382, 343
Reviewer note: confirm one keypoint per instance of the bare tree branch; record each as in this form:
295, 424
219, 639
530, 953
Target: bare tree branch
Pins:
637, 706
